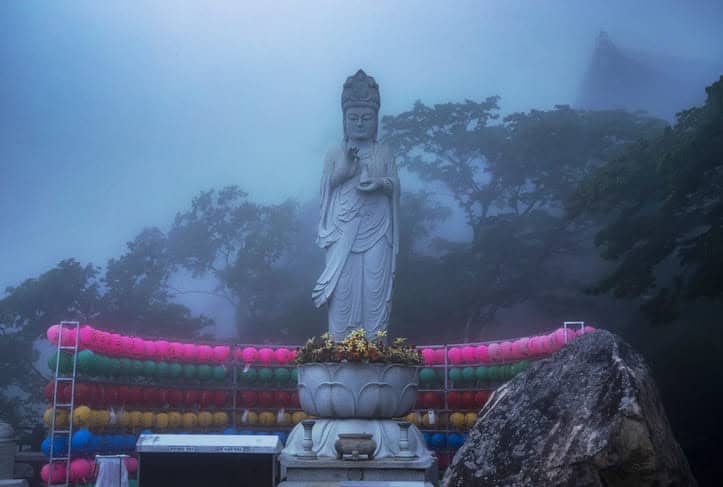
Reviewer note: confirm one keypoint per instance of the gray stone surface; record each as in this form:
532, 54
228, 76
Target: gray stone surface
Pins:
590, 415
356, 390
359, 220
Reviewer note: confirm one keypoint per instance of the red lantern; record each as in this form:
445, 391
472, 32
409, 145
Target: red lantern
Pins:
432, 400
111, 395
206, 399
82, 394
48, 391
64, 392
220, 398
151, 398
135, 395
191, 397
162, 397
454, 400
468, 400
175, 398
481, 398
282, 399
247, 399
294, 401
266, 399
97, 398
124, 395
419, 402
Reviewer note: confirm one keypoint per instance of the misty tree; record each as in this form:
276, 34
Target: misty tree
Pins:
663, 213
510, 179
238, 242
69, 291
138, 297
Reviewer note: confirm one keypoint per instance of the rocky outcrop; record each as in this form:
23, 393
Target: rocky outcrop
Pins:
590, 415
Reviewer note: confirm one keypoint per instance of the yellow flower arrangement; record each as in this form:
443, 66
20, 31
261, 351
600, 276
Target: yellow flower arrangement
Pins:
356, 347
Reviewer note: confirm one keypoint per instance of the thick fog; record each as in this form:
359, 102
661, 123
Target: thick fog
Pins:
115, 114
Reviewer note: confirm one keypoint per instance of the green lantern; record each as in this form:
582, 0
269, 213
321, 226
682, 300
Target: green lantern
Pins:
266, 375
468, 375
494, 373
149, 368
204, 372
219, 373
455, 375
174, 370
162, 369
66, 363
114, 367
125, 366
480, 374
102, 365
281, 376
294, 375
427, 375
136, 368
247, 376
189, 371
83, 361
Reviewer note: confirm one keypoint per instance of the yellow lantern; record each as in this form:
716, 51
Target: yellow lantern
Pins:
457, 420
283, 419
267, 418
470, 419
161, 421
205, 419
100, 418
135, 418
83, 416
220, 419
252, 418
61, 417
174, 419
190, 420
147, 420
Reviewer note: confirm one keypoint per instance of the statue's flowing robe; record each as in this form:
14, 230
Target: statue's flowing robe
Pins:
360, 233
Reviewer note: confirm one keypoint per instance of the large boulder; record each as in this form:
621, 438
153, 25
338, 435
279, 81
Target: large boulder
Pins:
590, 415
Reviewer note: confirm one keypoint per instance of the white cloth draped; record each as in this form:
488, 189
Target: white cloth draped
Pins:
359, 231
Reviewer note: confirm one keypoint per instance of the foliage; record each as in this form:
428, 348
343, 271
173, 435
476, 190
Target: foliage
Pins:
663, 213
509, 179
357, 347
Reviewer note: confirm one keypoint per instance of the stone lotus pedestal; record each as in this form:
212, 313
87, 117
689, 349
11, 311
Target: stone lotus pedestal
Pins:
351, 398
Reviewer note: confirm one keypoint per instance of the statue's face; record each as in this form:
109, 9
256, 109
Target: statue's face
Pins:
360, 123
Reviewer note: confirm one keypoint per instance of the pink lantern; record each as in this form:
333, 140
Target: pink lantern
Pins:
116, 344
549, 345
139, 347
494, 352
590, 329
281, 355
175, 350
131, 465
80, 470
238, 353
483, 354
292, 355
161, 349
266, 355
469, 354
534, 346
454, 355
105, 341
86, 336
189, 352
221, 353
127, 343
53, 333
506, 351
439, 356
53, 473
520, 348
249, 355
428, 356
205, 353
562, 336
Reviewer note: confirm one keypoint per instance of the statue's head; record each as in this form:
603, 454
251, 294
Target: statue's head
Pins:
360, 106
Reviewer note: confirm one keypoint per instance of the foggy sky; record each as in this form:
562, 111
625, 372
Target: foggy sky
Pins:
114, 115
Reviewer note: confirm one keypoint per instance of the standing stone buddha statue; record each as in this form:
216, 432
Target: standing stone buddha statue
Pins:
359, 224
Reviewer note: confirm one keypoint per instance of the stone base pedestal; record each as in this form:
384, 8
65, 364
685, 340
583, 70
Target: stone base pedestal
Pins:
412, 465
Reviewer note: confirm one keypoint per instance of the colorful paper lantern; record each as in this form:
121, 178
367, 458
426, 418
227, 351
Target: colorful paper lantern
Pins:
219, 373
281, 355
220, 398
189, 371
205, 419
220, 419
149, 368
281, 376
82, 416
190, 420
189, 352
174, 370
149, 350
221, 353
282, 399
61, 417
467, 400
493, 349
162, 369
247, 376
247, 399
439, 356
427, 375
455, 375
204, 372
80, 470
53, 473
432, 400
469, 354
265, 375
454, 400
468, 375
266, 399
205, 353
428, 356
131, 465
505, 351
482, 354
454, 355
161, 350
191, 397
265, 356
469, 420
456, 419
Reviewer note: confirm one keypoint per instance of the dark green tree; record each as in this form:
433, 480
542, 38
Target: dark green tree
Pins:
661, 205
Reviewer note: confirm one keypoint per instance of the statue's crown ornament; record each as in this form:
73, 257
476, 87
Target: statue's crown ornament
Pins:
360, 90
